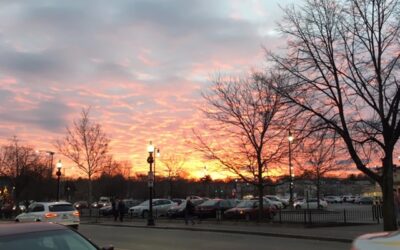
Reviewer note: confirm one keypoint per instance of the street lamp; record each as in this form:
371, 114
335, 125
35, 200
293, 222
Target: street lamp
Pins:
58, 173
157, 155
48, 153
150, 160
291, 172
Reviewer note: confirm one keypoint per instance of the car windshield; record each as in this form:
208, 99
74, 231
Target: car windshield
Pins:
61, 208
272, 198
57, 239
209, 203
244, 204
144, 203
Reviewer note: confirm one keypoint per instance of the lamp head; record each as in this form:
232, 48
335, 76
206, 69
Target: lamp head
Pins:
290, 137
59, 165
150, 147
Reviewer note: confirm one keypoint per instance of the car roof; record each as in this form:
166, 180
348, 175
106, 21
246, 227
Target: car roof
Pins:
53, 203
8, 229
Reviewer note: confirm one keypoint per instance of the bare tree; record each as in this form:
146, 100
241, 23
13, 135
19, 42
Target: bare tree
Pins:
173, 167
323, 156
86, 145
245, 117
19, 162
342, 68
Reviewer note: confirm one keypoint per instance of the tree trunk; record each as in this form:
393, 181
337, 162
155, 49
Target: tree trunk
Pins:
90, 190
170, 188
260, 201
389, 213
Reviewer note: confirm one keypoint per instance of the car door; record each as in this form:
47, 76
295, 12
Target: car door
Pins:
165, 205
35, 213
156, 207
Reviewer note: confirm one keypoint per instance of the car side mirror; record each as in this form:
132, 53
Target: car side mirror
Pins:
107, 248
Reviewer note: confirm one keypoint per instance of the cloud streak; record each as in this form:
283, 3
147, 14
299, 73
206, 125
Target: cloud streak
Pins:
141, 66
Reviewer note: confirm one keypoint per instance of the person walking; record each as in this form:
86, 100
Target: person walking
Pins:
189, 211
121, 210
114, 209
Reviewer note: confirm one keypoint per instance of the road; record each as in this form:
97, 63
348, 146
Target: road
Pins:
129, 238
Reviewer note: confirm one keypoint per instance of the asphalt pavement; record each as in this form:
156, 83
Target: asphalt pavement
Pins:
344, 234
135, 238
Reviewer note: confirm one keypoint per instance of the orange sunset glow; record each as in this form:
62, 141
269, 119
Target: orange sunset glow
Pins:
140, 66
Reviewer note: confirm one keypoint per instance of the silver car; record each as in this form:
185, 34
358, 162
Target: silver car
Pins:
160, 208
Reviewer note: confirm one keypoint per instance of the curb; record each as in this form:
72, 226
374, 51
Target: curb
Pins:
267, 234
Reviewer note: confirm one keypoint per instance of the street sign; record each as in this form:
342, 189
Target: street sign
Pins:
150, 177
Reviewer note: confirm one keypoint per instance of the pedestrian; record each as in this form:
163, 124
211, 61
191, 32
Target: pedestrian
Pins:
114, 209
121, 210
189, 211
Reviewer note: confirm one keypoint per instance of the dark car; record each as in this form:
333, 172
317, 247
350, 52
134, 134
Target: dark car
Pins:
366, 200
248, 210
178, 211
209, 209
81, 204
39, 236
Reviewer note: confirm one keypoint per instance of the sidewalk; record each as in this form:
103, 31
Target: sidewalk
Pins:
340, 234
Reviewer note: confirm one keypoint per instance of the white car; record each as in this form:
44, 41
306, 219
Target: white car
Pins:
275, 198
274, 201
160, 208
311, 204
58, 212
380, 240
333, 199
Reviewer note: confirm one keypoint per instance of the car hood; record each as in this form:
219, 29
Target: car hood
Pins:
238, 209
380, 240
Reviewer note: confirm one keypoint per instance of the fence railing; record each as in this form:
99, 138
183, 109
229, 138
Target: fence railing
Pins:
366, 215
370, 215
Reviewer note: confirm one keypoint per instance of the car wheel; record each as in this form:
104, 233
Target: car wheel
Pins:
320, 207
247, 217
145, 214
16, 220
298, 207
37, 220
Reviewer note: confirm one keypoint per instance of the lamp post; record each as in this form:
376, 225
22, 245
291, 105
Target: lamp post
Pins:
58, 173
150, 160
157, 155
291, 172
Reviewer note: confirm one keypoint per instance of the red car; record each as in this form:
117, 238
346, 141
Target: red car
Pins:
248, 210
208, 209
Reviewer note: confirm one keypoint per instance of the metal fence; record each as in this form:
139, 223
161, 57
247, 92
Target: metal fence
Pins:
369, 215
366, 215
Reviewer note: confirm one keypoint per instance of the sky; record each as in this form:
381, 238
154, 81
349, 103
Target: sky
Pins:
140, 65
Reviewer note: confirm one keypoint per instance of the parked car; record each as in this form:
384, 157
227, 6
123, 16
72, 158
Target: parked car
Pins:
248, 210
160, 208
209, 208
311, 203
365, 200
178, 211
178, 201
348, 198
333, 199
275, 201
43, 236
379, 240
81, 204
107, 210
57, 212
